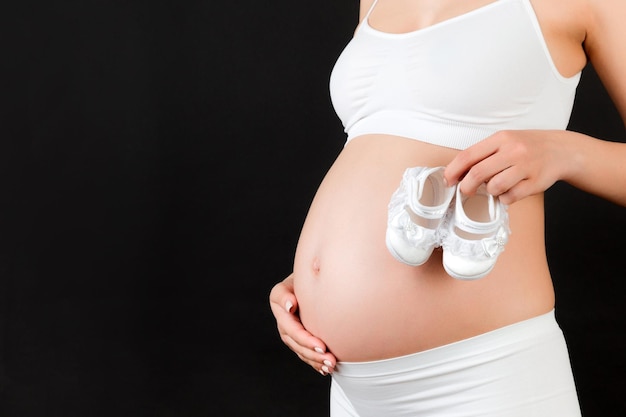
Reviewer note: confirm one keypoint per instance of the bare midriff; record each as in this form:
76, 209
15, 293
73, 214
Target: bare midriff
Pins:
364, 304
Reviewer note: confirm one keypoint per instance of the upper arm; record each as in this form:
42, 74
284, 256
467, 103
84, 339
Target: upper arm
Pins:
605, 45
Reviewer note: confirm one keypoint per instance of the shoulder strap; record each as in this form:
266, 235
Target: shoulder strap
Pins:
370, 10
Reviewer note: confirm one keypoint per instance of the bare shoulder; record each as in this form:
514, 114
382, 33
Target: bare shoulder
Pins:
365, 5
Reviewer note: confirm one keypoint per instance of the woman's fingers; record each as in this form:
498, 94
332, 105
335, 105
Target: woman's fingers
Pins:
309, 348
513, 165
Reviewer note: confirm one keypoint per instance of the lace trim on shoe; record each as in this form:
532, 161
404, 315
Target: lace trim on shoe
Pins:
400, 197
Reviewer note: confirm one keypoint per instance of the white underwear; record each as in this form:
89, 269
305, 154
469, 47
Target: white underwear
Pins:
521, 370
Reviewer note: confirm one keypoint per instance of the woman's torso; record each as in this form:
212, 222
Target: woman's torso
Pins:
365, 304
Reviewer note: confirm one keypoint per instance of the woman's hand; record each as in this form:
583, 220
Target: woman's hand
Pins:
513, 163
309, 348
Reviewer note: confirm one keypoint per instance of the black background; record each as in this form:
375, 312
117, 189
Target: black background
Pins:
157, 162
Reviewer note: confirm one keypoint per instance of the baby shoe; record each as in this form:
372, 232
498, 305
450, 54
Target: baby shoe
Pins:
475, 234
415, 213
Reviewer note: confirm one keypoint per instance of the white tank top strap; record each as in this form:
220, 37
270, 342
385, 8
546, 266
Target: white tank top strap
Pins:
370, 10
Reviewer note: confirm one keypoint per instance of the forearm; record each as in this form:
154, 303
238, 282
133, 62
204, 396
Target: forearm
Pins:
595, 166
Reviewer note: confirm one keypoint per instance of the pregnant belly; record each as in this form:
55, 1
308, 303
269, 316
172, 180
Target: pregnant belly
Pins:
366, 305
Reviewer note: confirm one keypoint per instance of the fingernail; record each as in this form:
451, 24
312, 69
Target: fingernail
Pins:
319, 350
328, 363
448, 184
325, 369
322, 372
288, 306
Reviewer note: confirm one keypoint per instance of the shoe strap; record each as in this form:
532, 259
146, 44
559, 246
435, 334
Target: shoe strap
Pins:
415, 190
471, 226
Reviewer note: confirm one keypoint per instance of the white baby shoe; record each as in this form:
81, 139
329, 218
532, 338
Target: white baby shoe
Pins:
474, 235
415, 213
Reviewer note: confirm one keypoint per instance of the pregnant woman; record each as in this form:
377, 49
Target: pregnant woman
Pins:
383, 296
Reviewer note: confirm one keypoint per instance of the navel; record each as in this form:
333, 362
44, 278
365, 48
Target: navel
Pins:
315, 265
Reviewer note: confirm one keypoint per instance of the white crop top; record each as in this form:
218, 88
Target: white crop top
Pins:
455, 82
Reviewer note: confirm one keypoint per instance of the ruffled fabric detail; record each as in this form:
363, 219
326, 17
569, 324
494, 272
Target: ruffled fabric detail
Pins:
400, 221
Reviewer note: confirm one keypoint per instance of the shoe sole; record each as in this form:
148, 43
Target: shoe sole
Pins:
466, 277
